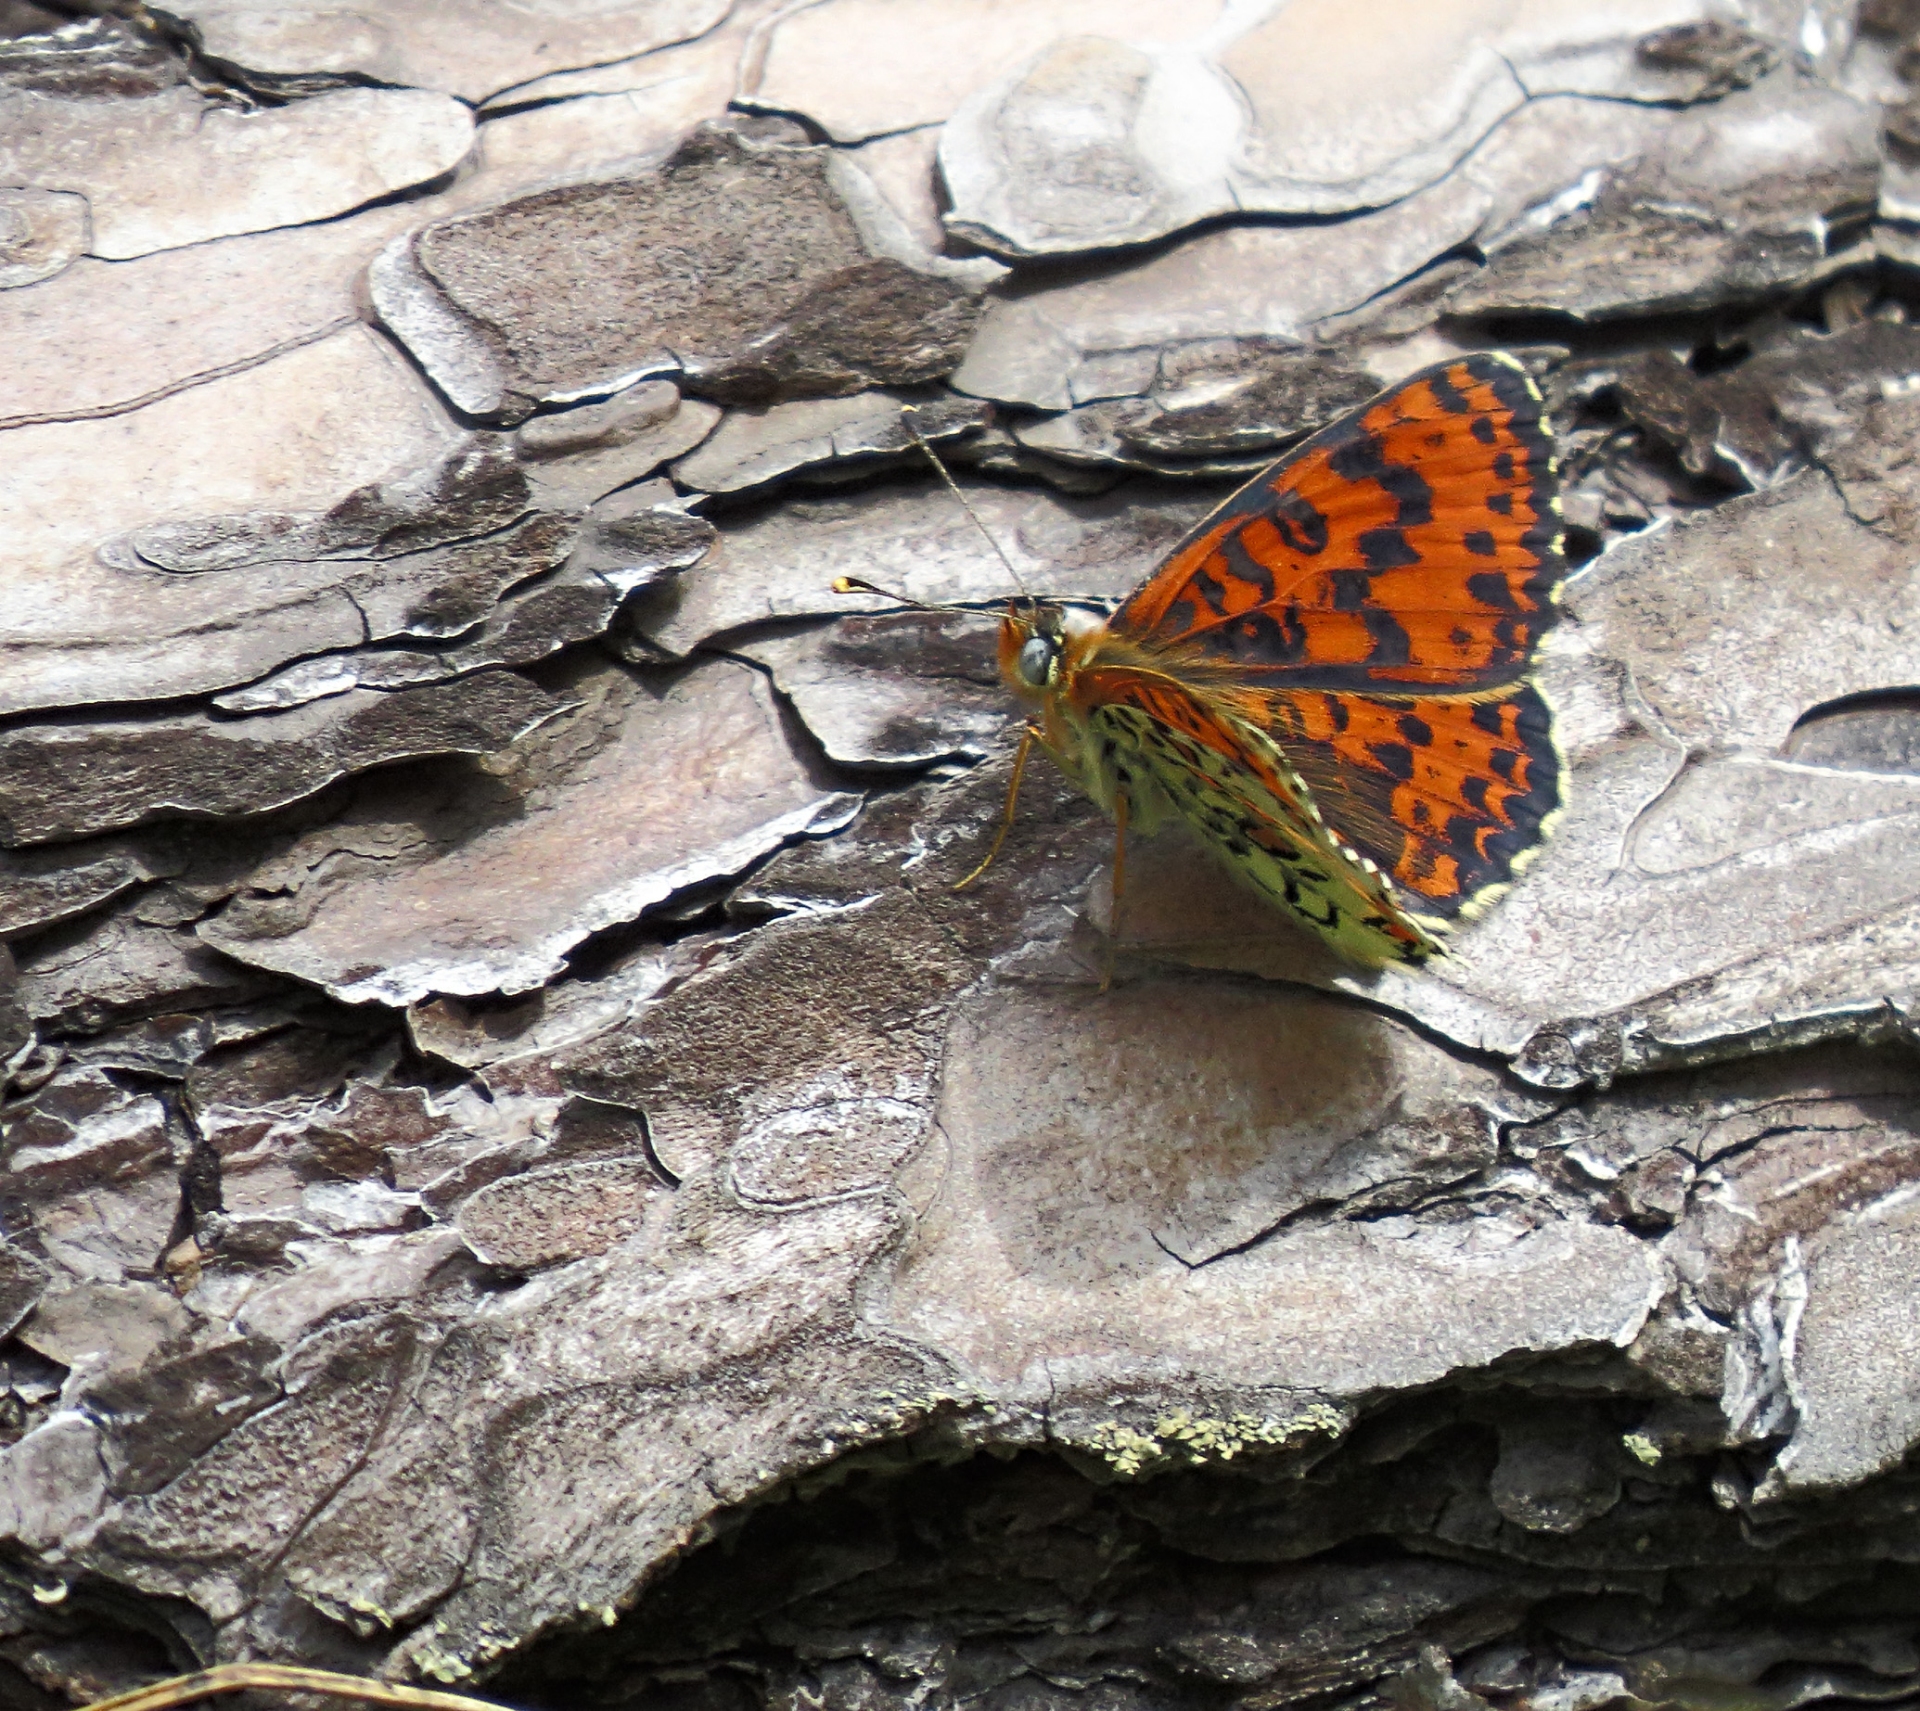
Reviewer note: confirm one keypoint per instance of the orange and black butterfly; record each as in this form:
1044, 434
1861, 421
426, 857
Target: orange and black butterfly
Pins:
1327, 679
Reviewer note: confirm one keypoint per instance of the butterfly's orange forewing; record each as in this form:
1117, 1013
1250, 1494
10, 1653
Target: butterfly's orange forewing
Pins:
1411, 546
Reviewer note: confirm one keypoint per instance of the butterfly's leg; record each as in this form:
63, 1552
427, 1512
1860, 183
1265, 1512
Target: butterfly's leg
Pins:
1119, 884
1027, 740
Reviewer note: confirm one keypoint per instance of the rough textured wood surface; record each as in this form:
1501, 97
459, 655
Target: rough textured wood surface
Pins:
520, 1171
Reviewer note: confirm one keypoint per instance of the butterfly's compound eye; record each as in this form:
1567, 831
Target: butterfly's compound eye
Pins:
1036, 661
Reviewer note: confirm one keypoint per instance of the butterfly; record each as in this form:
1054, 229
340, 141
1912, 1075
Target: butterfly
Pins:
1327, 679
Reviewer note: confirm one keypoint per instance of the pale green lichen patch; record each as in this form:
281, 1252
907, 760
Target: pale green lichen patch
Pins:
893, 1414
368, 1608
485, 1643
1641, 1447
438, 1665
1184, 1439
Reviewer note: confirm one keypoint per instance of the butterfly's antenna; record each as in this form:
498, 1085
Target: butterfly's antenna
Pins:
860, 585
953, 487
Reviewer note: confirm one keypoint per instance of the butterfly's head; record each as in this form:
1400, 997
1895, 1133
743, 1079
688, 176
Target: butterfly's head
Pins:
1033, 639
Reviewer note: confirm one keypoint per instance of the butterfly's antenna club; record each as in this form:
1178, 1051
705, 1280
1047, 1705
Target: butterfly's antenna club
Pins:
953, 487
